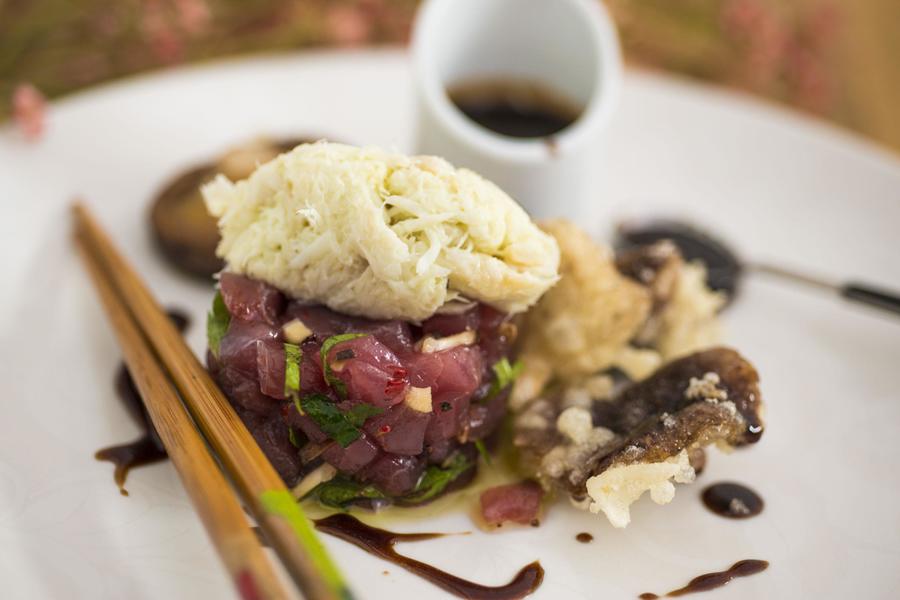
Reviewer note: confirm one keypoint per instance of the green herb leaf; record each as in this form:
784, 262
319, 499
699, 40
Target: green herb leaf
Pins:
479, 444
436, 479
217, 321
292, 436
327, 345
292, 358
342, 427
360, 413
340, 492
330, 419
504, 374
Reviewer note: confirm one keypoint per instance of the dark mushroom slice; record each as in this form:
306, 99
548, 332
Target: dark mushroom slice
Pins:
184, 232
715, 376
707, 397
704, 398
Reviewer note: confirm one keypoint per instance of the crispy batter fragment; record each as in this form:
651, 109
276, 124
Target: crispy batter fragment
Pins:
688, 320
583, 323
632, 312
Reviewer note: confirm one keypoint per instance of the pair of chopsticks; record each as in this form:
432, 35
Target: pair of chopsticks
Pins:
177, 392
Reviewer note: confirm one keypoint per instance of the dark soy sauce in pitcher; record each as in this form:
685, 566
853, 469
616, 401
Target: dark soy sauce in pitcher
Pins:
515, 108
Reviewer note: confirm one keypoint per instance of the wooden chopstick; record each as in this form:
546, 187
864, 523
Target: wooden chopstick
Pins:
282, 520
225, 522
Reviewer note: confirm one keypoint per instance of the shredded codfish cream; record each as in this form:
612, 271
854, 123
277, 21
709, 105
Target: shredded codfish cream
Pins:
615, 489
379, 234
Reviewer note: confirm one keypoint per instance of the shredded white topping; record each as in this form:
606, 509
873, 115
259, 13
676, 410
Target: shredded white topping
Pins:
379, 234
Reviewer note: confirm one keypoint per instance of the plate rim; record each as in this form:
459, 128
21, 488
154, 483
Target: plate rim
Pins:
813, 126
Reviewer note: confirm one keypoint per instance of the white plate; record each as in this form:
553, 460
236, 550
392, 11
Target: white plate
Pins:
779, 186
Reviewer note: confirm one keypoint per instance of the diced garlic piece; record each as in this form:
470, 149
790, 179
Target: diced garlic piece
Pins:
432, 344
419, 399
315, 477
295, 331
615, 489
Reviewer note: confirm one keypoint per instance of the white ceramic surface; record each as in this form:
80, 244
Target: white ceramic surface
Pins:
569, 46
779, 186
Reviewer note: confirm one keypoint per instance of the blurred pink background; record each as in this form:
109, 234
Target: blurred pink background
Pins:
830, 58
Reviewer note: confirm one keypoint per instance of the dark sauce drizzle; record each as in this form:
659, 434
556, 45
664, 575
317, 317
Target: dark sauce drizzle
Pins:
148, 448
732, 500
711, 581
381, 543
